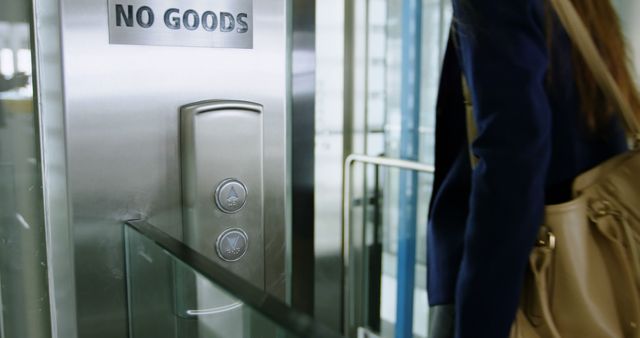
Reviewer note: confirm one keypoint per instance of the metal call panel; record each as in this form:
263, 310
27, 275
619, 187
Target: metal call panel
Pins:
222, 179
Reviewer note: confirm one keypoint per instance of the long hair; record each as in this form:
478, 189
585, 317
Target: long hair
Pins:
602, 21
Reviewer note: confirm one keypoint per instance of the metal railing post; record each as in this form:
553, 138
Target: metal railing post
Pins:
353, 266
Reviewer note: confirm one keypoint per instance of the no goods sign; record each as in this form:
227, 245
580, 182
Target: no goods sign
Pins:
195, 23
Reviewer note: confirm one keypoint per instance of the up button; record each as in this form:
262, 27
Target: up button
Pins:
231, 196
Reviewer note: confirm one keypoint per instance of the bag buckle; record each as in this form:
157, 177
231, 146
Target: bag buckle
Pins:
636, 142
546, 239
602, 208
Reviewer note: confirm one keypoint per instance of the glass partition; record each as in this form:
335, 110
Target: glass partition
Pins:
24, 296
359, 110
386, 294
174, 291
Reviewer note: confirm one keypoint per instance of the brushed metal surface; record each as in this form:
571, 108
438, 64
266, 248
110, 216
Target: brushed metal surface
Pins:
195, 23
221, 140
122, 104
303, 113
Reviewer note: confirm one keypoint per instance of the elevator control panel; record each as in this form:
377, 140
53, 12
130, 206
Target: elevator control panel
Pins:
222, 172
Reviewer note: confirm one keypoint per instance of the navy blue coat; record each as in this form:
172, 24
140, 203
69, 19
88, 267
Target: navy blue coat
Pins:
532, 143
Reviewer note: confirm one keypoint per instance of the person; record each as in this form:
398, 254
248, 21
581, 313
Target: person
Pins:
541, 120
17, 81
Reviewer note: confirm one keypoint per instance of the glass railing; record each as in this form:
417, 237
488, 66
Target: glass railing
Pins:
175, 292
386, 202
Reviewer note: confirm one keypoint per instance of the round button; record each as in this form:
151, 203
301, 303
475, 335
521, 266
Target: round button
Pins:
231, 196
232, 245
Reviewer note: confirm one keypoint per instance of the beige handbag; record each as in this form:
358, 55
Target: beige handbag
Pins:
584, 273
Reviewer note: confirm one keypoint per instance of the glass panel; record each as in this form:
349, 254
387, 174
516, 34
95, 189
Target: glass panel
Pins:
191, 297
373, 29
436, 17
385, 132
24, 295
389, 218
629, 11
328, 158
379, 296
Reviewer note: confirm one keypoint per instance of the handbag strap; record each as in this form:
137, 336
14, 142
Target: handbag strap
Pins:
581, 38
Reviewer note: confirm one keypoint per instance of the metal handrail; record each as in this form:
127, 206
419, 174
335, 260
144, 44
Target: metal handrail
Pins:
346, 216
